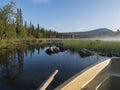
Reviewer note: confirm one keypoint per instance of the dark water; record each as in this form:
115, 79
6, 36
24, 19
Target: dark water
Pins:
26, 67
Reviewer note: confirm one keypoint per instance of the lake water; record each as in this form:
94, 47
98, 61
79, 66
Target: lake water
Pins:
26, 67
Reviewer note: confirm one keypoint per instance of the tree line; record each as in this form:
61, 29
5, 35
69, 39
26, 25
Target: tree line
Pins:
13, 26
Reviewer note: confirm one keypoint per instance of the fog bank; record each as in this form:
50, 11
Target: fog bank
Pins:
107, 38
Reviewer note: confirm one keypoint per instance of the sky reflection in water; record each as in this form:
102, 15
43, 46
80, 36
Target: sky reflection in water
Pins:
26, 68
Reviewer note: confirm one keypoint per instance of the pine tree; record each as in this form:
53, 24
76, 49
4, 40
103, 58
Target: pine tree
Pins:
20, 15
17, 22
20, 29
25, 25
37, 31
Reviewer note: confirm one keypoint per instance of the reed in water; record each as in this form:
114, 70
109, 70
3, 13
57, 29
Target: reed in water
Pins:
96, 45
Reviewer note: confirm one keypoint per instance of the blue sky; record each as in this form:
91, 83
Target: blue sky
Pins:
71, 15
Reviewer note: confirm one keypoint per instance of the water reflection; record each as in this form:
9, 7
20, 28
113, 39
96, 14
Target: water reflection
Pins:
11, 65
12, 62
26, 67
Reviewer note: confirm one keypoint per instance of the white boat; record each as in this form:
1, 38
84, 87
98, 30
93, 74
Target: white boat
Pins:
104, 75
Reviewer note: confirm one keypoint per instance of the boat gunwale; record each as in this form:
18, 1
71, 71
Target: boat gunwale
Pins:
74, 77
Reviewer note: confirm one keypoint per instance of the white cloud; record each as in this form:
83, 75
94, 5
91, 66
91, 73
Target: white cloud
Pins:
41, 1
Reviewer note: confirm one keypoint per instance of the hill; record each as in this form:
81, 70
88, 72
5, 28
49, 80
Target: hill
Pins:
93, 33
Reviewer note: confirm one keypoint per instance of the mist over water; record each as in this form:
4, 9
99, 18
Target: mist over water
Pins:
105, 38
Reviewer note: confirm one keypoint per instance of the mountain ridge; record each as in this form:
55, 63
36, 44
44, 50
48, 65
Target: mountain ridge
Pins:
92, 33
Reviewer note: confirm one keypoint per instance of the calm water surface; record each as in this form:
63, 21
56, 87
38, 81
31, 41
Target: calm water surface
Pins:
25, 68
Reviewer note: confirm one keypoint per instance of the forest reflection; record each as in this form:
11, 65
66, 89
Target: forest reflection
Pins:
11, 60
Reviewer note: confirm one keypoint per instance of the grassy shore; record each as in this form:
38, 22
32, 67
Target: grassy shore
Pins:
29, 41
12, 42
97, 45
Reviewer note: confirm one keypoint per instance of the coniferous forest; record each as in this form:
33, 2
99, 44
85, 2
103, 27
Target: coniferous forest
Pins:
12, 25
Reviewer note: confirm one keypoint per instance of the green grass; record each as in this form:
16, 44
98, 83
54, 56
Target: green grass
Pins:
100, 46
13, 42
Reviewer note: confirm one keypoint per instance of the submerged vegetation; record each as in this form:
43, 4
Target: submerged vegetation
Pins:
107, 47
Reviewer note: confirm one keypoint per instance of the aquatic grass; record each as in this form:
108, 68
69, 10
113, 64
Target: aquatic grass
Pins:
96, 45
